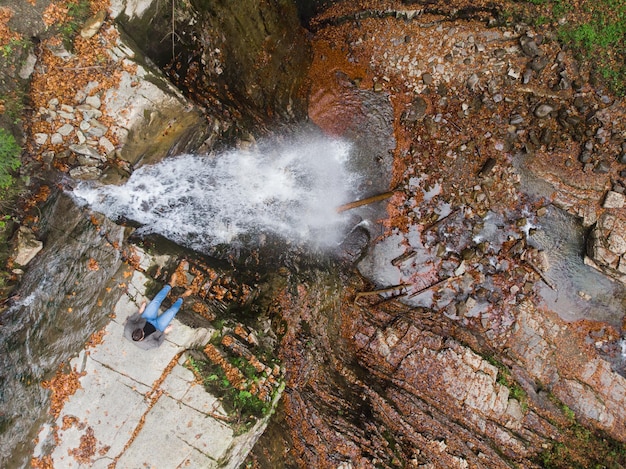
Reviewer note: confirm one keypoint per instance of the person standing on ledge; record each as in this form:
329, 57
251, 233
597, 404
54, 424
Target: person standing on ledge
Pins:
146, 328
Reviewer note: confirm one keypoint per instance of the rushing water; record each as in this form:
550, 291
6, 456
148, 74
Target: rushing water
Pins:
292, 190
62, 301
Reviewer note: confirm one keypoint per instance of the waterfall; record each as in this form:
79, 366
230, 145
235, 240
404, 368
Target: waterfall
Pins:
290, 189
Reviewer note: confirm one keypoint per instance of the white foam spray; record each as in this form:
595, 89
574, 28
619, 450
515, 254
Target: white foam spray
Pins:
201, 201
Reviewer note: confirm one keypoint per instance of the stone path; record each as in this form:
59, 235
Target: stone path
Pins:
139, 408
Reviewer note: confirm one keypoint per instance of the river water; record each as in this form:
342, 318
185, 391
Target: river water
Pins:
62, 301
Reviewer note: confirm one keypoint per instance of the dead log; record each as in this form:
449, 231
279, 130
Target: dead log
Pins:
366, 201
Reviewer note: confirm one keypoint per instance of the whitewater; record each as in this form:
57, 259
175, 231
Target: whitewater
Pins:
290, 189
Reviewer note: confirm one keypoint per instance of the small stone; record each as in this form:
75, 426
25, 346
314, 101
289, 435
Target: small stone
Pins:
378, 87
97, 129
470, 303
427, 78
516, 119
86, 150
543, 110
67, 116
84, 125
41, 138
65, 129
106, 144
579, 103
81, 137
542, 211
622, 158
514, 74
585, 157
602, 167
56, 139
417, 110
472, 81
93, 101
53, 103
67, 108
85, 172
528, 74
59, 50
93, 25
80, 96
529, 47
614, 200
538, 63
89, 112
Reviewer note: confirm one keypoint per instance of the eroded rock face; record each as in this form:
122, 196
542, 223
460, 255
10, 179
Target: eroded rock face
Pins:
606, 245
246, 58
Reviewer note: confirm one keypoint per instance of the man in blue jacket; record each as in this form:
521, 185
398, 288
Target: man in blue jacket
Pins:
146, 328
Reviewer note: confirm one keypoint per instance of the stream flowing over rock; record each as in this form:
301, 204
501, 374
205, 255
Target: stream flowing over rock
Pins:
448, 324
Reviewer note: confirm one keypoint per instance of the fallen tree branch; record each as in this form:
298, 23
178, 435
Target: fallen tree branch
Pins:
440, 282
381, 291
366, 201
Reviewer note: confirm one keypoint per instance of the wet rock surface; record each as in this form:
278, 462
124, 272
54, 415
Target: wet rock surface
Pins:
452, 350
447, 355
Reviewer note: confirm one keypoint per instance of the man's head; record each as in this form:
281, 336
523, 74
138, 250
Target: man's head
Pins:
137, 334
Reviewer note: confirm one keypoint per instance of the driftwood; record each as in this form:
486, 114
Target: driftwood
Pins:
381, 291
366, 201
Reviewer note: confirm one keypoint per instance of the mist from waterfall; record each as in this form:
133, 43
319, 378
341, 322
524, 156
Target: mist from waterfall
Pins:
291, 189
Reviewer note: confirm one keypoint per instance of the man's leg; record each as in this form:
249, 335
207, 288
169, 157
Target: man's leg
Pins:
164, 319
152, 310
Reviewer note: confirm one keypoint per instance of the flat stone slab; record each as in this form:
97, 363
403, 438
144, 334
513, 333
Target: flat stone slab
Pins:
139, 408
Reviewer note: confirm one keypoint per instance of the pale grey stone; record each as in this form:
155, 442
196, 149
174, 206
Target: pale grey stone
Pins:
67, 115
614, 200
88, 151
93, 25
28, 67
97, 129
93, 101
56, 139
106, 144
81, 137
65, 129
41, 138
85, 172
27, 246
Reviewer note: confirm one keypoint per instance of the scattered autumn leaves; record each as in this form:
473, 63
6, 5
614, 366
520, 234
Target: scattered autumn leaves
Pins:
63, 385
6, 34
